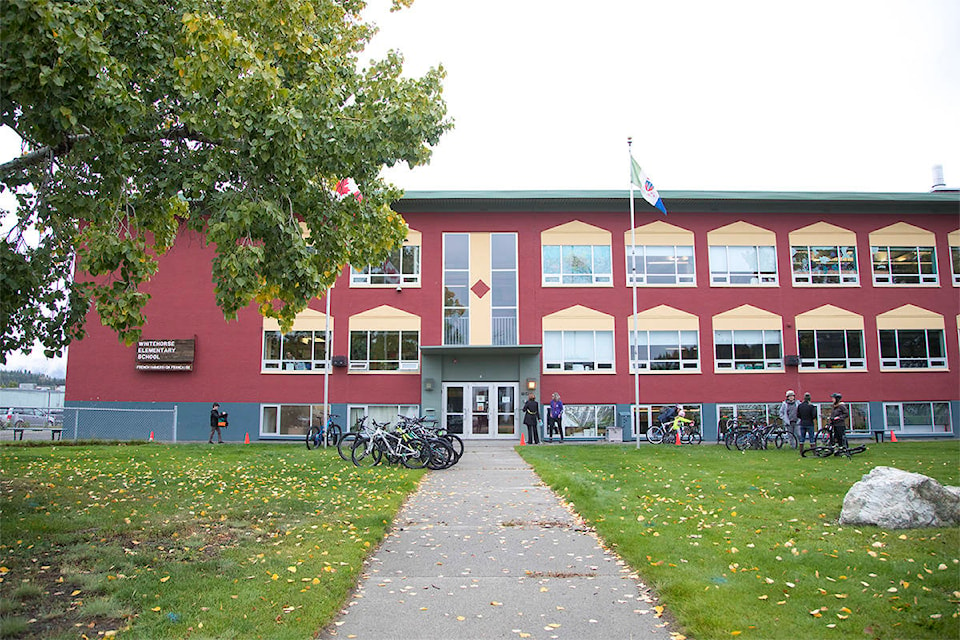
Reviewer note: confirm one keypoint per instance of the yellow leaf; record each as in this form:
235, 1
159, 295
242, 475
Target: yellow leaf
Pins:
292, 569
155, 609
461, 618
164, 578
735, 633
763, 597
544, 589
75, 593
496, 604
839, 596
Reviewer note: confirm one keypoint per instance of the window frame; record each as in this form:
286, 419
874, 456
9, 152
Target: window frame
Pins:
638, 365
936, 363
597, 278
314, 417
815, 363
900, 427
312, 366
402, 365
363, 277
724, 278
680, 280
559, 366
603, 417
769, 364
955, 265
844, 278
889, 279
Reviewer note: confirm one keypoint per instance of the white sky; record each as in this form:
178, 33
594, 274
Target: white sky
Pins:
819, 95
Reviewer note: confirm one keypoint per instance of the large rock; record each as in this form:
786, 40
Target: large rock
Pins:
896, 499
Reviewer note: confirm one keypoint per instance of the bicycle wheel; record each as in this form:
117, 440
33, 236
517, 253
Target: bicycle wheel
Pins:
455, 443
855, 450
416, 454
365, 453
695, 437
313, 438
655, 434
790, 440
824, 437
442, 455
818, 452
345, 444
745, 440
333, 435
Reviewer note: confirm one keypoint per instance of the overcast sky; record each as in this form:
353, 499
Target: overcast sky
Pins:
833, 95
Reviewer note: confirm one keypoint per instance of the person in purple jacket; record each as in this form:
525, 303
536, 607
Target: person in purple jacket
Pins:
555, 417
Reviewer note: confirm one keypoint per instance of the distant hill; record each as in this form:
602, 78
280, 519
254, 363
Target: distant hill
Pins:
15, 378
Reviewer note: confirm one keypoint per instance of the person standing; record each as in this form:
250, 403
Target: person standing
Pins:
531, 417
788, 413
839, 414
555, 417
807, 416
215, 423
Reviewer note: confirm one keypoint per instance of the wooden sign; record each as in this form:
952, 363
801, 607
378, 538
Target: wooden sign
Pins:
165, 355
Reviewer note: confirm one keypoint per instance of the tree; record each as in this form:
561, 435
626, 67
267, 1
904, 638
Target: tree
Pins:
141, 118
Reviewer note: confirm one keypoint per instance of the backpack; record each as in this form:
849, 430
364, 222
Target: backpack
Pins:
667, 414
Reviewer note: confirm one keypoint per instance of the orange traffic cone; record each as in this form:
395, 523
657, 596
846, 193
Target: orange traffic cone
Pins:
678, 439
151, 436
893, 436
246, 439
523, 440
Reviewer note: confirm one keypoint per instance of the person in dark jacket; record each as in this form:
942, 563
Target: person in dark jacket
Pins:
839, 414
807, 415
531, 418
215, 423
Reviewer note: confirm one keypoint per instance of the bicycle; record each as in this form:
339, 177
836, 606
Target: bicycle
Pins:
326, 434
838, 445
345, 444
666, 433
399, 446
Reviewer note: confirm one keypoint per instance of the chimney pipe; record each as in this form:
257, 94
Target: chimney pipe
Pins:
938, 182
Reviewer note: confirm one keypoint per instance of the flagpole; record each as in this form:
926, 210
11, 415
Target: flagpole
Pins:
635, 412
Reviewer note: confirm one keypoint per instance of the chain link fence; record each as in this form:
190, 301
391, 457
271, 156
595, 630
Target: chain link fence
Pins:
89, 423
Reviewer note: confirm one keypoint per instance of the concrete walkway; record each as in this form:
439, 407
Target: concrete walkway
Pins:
484, 550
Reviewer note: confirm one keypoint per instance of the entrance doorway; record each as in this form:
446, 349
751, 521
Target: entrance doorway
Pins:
481, 410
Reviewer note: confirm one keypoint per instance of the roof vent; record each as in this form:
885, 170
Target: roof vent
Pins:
938, 182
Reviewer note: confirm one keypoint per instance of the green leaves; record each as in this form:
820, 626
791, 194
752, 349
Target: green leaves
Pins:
235, 118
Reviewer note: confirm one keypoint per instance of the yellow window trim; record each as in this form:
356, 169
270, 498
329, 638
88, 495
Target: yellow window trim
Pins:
664, 318
902, 234
953, 238
659, 234
575, 233
306, 320
741, 234
910, 317
746, 317
578, 318
829, 317
822, 234
384, 318
414, 238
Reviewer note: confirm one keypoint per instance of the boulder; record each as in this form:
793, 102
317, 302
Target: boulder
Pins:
896, 499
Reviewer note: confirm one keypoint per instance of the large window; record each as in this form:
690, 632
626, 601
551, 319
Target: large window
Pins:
824, 265
917, 417
647, 414
289, 419
656, 351
301, 351
384, 350
588, 420
456, 288
661, 265
503, 288
381, 413
743, 265
904, 265
402, 267
578, 351
831, 349
577, 265
748, 350
912, 349
955, 265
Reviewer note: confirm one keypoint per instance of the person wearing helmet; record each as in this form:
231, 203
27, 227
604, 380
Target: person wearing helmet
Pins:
788, 412
839, 414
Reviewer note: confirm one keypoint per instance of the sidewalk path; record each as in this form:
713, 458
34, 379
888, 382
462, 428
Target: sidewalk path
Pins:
484, 550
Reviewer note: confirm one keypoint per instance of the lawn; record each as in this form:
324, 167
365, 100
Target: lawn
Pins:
248, 541
746, 544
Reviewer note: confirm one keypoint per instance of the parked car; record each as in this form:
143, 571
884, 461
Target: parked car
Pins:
20, 418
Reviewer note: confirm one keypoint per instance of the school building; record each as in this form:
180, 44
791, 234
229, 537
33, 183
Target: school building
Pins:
740, 296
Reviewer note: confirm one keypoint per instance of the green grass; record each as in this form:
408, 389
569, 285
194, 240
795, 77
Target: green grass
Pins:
256, 541
746, 544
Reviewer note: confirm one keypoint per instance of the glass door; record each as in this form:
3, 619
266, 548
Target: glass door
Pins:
481, 410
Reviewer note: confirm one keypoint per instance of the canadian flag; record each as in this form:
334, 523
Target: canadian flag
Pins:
347, 187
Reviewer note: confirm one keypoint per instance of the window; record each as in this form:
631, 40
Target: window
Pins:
402, 267
750, 349
661, 265
912, 349
382, 413
917, 417
824, 265
503, 288
301, 351
456, 288
904, 265
743, 265
955, 265
384, 350
588, 420
647, 414
831, 349
577, 265
289, 419
657, 351
578, 351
